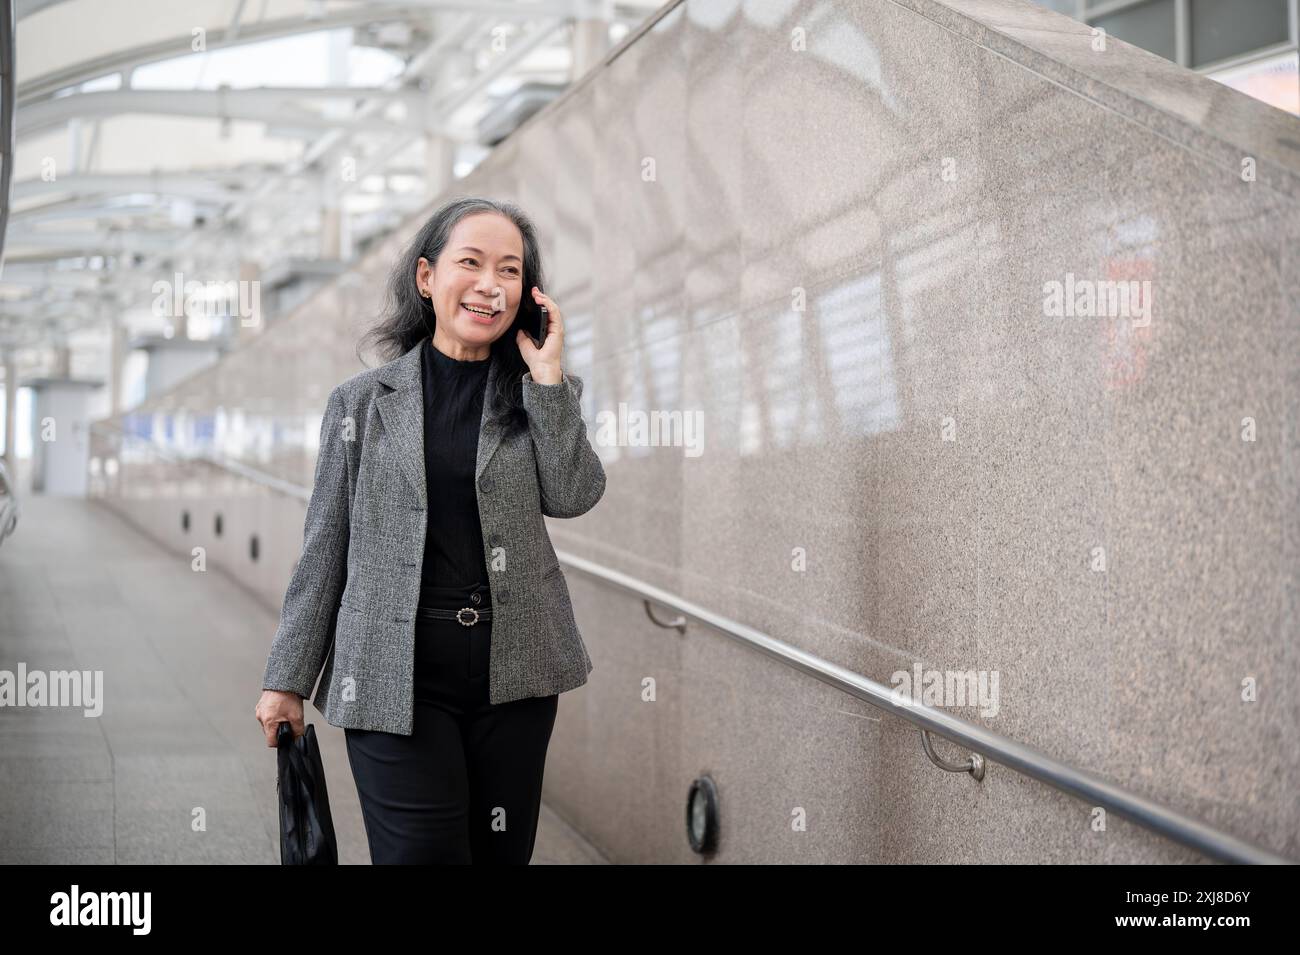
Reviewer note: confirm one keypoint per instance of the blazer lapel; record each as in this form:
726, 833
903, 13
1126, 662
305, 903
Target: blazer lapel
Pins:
489, 432
402, 412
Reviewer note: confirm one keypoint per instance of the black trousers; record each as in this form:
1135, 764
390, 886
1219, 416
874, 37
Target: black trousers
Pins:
466, 786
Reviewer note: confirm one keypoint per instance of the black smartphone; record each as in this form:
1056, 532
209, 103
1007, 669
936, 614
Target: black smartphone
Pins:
539, 319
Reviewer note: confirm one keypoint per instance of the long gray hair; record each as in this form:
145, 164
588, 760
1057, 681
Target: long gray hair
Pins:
408, 317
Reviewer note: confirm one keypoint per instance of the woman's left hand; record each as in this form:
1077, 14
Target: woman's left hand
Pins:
544, 362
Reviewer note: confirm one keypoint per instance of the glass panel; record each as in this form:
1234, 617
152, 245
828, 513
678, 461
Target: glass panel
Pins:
1221, 30
1069, 7
1149, 25
1275, 80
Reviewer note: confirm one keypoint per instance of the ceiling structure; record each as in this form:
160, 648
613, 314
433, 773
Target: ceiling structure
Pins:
154, 137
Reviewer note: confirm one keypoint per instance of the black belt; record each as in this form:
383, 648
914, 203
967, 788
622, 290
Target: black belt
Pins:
465, 616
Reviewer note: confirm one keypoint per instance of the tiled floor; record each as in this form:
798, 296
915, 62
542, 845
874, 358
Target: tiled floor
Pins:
175, 769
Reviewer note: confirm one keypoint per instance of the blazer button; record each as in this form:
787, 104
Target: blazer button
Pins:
486, 484
475, 598
503, 597
495, 540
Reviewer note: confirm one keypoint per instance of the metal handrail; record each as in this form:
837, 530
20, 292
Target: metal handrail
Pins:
270, 481
1092, 789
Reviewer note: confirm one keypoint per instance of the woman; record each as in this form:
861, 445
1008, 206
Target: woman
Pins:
427, 575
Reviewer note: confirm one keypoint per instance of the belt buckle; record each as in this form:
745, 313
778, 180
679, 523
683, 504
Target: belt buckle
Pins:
471, 622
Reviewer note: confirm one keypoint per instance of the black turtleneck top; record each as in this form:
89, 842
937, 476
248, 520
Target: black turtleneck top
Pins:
453, 412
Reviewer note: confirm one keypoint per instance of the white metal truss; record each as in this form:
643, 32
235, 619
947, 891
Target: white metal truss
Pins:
91, 236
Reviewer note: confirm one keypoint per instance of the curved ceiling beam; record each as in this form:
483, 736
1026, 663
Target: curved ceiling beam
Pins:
197, 184
275, 105
45, 85
39, 87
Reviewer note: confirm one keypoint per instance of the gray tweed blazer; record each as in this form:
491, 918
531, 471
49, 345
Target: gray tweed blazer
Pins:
354, 591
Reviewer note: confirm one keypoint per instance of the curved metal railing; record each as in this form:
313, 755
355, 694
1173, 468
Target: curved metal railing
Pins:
984, 743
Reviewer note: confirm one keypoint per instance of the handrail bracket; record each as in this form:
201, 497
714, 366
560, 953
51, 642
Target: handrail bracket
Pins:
974, 765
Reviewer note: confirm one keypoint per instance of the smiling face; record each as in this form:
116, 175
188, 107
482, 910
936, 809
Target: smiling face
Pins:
475, 286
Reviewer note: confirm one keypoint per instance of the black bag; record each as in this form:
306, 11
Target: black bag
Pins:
306, 829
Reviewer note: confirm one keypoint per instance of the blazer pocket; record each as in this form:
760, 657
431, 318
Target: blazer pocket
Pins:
553, 572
